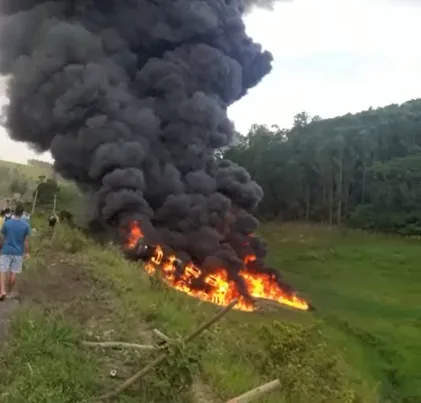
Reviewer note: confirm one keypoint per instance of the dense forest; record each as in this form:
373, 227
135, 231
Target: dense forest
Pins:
360, 169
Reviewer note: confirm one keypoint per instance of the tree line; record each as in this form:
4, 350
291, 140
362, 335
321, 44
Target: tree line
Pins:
360, 169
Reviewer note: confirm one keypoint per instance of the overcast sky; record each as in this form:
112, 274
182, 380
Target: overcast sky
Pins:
331, 57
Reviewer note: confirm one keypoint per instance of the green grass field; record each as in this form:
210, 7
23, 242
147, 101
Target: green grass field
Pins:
360, 345
366, 289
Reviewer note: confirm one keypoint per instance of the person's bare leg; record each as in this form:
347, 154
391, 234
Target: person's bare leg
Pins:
11, 281
2, 284
4, 268
15, 269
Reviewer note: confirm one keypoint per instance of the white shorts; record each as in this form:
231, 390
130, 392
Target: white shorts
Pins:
11, 264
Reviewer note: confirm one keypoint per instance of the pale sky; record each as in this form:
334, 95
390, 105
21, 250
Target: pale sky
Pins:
330, 57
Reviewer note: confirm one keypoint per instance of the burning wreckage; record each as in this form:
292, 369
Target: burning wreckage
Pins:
215, 287
131, 99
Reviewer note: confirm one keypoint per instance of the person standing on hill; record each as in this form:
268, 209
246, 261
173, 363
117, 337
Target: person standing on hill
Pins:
7, 214
15, 246
26, 216
52, 220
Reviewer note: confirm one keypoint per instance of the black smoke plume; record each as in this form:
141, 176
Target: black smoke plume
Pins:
131, 98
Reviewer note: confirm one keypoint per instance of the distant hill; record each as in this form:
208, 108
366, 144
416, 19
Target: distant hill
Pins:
29, 173
28, 176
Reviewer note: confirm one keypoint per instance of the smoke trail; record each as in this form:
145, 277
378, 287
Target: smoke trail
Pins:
131, 97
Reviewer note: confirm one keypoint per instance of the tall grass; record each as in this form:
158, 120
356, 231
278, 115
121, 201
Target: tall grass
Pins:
361, 344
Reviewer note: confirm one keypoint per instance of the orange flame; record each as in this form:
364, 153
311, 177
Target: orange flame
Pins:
134, 235
219, 289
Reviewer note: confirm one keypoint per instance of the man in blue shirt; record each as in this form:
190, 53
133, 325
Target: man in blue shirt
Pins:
15, 245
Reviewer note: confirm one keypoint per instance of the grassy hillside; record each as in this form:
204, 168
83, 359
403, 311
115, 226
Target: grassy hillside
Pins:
29, 173
23, 172
32, 171
366, 288
68, 197
360, 345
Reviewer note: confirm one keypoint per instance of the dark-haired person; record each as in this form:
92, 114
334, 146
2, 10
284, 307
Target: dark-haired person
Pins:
15, 246
52, 220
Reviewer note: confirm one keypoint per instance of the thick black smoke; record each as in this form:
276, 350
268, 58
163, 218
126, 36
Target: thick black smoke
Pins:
131, 98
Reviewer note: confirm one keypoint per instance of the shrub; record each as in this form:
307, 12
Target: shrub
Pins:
307, 369
69, 240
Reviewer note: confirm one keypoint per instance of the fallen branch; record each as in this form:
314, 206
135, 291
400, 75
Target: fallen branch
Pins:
161, 335
163, 355
118, 344
163, 339
256, 392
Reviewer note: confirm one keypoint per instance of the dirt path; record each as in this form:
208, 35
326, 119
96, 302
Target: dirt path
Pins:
45, 287
56, 285
6, 310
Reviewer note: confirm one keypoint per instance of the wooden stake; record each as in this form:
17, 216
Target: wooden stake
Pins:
163, 355
256, 392
118, 344
54, 203
34, 201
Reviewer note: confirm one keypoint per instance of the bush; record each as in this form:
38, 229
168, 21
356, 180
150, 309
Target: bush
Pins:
307, 369
371, 217
69, 240
172, 380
